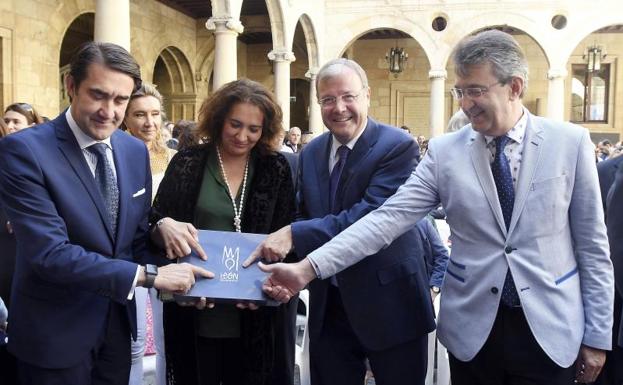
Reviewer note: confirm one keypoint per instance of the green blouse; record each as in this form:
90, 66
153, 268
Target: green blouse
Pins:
214, 211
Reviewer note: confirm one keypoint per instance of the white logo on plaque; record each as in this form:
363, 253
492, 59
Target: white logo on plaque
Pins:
230, 260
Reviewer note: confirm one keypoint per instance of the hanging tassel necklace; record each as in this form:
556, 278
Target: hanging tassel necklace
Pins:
237, 210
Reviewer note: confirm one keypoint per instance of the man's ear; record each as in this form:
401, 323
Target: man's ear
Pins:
70, 86
516, 86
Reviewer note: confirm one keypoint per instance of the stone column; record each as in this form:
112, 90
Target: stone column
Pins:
112, 22
281, 62
437, 101
226, 31
556, 94
316, 126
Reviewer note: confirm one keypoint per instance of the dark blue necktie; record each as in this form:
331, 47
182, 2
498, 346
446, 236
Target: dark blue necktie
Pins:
506, 194
336, 173
106, 183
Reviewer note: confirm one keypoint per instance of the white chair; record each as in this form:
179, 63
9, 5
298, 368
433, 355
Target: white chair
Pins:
301, 355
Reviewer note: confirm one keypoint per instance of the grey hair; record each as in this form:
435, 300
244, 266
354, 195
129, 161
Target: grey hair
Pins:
334, 67
497, 48
457, 121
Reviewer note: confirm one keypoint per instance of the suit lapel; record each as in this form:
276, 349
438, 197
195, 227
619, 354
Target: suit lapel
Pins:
68, 145
120, 157
481, 161
358, 154
531, 153
322, 152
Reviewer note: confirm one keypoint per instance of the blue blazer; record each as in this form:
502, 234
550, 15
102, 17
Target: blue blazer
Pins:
386, 295
611, 183
69, 268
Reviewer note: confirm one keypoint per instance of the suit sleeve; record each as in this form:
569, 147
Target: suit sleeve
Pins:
588, 230
378, 229
439, 255
41, 233
615, 229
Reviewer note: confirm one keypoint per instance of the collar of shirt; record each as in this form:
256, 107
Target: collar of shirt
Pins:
83, 139
335, 144
517, 133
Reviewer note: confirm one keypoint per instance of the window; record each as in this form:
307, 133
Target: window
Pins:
589, 94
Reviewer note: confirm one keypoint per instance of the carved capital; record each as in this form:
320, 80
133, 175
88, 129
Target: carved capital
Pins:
555, 73
438, 74
281, 55
220, 23
311, 73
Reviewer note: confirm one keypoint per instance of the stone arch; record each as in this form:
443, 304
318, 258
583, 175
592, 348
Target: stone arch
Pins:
174, 76
536, 96
357, 28
277, 25
78, 32
591, 96
311, 41
587, 27
518, 21
59, 24
398, 99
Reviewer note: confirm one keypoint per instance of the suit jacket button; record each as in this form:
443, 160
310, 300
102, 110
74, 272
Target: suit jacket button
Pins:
494, 290
508, 249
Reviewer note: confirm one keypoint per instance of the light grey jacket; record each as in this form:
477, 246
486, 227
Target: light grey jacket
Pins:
556, 246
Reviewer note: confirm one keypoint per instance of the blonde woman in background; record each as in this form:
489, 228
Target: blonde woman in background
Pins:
143, 120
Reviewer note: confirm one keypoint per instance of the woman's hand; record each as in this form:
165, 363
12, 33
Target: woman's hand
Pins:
178, 239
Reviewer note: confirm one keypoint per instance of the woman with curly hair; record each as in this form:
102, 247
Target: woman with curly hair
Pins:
233, 182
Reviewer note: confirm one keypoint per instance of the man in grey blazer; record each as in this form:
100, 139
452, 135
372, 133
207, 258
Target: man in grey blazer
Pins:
529, 288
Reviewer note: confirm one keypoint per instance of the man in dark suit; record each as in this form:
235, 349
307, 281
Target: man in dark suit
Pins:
611, 184
379, 308
77, 193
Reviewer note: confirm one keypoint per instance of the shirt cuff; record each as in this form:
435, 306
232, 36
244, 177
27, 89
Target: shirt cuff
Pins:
315, 267
131, 293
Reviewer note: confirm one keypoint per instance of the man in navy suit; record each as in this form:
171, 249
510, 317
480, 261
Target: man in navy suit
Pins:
611, 185
77, 193
379, 308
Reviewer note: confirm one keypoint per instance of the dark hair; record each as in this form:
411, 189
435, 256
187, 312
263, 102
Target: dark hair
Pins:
214, 110
4, 129
28, 111
186, 134
109, 55
497, 48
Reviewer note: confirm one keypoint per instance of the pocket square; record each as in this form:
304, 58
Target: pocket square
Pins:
139, 193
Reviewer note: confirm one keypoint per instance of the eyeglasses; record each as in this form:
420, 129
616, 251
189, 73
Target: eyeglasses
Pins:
330, 101
471, 92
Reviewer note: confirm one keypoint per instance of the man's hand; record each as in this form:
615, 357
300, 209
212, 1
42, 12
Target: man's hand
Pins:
589, 364
287, 279
178, 278
178, 238
274, 248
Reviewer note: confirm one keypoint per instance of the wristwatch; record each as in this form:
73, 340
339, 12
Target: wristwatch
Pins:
151, 272
435, 289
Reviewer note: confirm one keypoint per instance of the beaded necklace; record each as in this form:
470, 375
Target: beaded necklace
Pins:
237, 210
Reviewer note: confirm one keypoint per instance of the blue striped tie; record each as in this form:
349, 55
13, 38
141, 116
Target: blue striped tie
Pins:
506, 194
106, 183
336, 173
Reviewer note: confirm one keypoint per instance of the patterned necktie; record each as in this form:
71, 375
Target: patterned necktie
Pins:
506, 194
106, 183
342, 153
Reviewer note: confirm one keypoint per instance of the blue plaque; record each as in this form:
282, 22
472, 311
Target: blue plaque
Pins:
232, 283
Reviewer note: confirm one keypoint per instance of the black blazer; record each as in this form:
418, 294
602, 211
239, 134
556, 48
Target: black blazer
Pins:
7, 259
